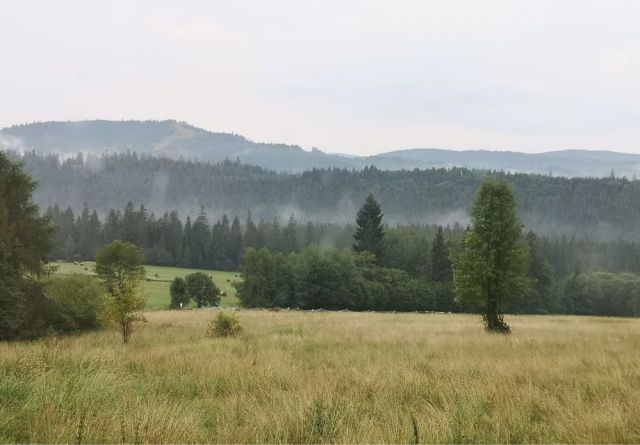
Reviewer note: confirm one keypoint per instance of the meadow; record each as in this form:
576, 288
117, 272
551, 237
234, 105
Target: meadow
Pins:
309, 377
156, 287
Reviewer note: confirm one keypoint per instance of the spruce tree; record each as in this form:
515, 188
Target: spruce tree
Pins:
290, 236
235, 242
440, 263
369, 234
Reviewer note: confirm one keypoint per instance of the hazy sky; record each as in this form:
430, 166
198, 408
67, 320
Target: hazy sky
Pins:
344, 76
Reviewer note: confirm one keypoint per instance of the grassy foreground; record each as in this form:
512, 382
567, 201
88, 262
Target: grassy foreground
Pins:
159, 278
328, 377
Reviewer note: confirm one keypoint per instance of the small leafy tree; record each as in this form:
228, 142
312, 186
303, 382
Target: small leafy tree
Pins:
491, 268
178, 291
201, 289
369, 230
119, 266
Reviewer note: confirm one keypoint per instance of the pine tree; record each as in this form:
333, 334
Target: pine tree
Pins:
290, 236
440, 263
112, 227
201, 239
369, 234
235, 242
250, 238
129, 227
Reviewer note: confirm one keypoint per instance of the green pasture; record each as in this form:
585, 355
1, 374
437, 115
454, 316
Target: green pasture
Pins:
159, 279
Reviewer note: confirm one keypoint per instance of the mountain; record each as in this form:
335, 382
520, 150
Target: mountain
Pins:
571, 163
180, 140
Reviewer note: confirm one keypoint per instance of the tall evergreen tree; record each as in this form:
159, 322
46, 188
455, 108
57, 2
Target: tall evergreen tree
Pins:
201, 239
250, 238
185, 254
235, 242
112, 226
369, 234
491, 268
129, 226
440, 262
290, 236
25, 241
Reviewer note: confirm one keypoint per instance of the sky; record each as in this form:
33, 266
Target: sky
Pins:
357, 77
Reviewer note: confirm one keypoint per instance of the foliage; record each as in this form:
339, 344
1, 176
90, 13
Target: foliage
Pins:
200, 288
124, 305
25, 237
119, 262
80, 300
25, 241
596, 208
369, 231
224, 325
119, 266
178, 292
602, 293
441, 271
329, 278
491, 267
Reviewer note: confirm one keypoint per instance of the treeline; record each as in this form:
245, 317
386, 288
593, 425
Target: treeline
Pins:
602, 208
334, 279
413, 271
337, 279
168, 240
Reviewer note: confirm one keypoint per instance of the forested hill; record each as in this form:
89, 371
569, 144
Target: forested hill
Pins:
605, 208
179, 139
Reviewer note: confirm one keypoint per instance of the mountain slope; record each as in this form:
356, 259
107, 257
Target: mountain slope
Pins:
178, 139
585, 207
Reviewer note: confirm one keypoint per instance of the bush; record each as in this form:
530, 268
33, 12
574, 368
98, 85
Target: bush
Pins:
200, 288
178, 291
80, 300
224, 325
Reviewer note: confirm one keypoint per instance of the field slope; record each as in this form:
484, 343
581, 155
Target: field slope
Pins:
328, 377
159, 278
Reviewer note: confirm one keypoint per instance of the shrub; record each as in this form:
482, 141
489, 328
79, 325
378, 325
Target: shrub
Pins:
80, 300
224, 325
201, 289
178, 291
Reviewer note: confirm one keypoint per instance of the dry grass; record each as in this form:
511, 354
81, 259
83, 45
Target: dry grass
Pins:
328, 377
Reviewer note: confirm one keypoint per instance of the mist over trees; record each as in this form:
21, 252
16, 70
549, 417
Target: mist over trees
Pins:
602, 209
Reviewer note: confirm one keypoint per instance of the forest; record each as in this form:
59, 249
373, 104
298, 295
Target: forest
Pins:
584, 208
571, 275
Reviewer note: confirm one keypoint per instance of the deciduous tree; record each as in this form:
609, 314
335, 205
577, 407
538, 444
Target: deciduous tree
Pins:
491, 268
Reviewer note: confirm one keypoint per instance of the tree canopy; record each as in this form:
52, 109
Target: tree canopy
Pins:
491, 267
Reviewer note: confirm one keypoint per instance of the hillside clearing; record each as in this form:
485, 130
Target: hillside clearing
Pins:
159, 279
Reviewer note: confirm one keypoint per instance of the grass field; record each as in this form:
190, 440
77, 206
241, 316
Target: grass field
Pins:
159, 279
305, 377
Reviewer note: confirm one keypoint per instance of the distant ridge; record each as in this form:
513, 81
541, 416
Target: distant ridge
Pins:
176, 139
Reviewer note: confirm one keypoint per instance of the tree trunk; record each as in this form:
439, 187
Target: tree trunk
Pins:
493, 321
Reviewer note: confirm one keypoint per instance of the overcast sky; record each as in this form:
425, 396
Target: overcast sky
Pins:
344, 76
